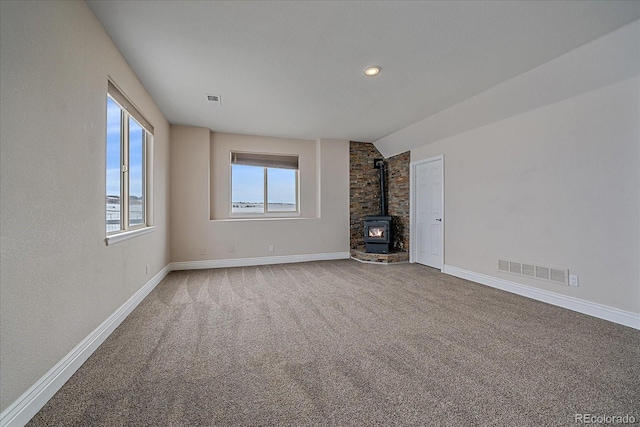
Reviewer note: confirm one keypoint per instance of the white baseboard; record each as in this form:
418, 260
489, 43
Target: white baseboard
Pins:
26, 406
248, 262
379, 263
601, 311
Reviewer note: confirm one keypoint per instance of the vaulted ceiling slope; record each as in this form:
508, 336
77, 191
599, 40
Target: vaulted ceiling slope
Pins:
295, 69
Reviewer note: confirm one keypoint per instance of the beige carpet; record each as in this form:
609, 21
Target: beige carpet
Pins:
343, 343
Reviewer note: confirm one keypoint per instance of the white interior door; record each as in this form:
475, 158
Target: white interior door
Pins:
428, 213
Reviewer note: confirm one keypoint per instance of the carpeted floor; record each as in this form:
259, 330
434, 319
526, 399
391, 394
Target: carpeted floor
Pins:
349, 344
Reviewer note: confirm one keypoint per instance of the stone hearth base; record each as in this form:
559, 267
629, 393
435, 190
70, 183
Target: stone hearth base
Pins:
360, 255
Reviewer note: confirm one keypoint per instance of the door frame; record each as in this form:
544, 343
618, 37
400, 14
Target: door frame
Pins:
412, 205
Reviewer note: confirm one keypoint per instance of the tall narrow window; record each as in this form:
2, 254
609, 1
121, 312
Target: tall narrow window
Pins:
114, 164
128, 135
136, 173
264, 183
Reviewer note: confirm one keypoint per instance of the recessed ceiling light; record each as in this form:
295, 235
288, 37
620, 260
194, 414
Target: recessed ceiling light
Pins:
371, 71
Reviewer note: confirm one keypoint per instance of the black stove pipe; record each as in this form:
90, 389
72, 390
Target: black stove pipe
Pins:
379, 164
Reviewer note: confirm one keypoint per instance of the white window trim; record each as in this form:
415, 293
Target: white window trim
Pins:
112, 239
266, 214
130, 110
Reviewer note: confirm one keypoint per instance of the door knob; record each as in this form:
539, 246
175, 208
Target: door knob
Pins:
438, 219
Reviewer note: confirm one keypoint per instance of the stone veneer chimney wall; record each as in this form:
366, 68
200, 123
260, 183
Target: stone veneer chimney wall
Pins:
365, 193
398, 198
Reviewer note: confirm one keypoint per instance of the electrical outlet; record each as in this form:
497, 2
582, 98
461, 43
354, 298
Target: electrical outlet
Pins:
573, 280
147, 269
203, 251
270, 248
232, 248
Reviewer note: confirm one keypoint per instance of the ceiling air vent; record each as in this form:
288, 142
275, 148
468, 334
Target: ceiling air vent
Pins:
213, 100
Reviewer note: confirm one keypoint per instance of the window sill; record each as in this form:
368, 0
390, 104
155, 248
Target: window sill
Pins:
244, 219
126, 235
271, 215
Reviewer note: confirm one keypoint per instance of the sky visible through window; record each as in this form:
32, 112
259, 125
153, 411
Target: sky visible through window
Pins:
134, 142
248, 185
281, 185
113, 148
113, 153
136, 152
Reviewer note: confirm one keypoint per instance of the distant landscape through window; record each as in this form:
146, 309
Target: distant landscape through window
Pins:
253, 184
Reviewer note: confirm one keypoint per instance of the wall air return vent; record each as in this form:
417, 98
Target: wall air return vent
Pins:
559, 276
542, 273
515, 267
213, 100
528, 270
556, 275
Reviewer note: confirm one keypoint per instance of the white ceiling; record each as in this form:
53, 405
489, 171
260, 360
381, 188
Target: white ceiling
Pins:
295, 69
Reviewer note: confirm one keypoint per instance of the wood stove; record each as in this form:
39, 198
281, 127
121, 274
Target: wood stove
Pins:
377, 228
377, 234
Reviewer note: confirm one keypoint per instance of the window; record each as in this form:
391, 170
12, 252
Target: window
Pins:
259, 178
128, 139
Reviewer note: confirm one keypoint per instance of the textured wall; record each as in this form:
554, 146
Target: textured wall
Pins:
365, 192
58, 279
192, 228
556, 186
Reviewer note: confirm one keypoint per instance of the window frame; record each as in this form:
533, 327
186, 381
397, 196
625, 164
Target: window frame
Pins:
129, 112
266, 213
